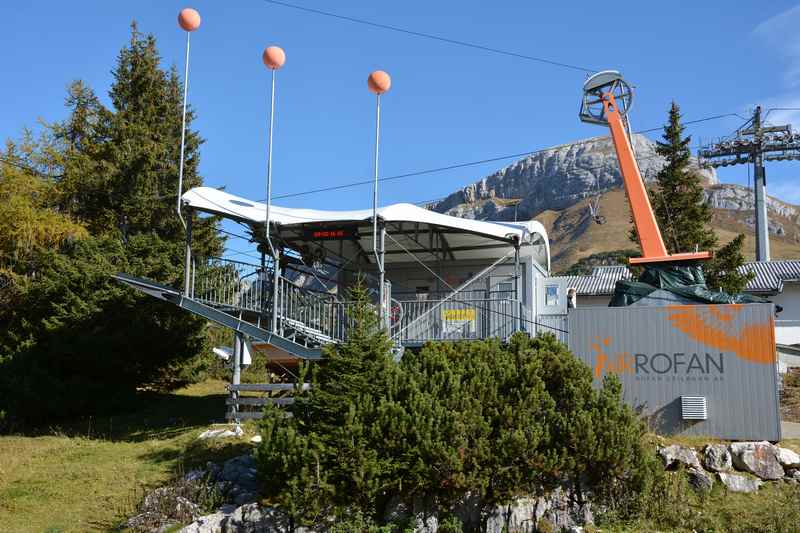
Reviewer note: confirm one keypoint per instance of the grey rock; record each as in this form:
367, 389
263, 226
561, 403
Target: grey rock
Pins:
210, 523
250, 518
793, 473
185, 507
738, 198
738, 483
674, 455
519, 515
144, 520
717, 458
241, 471
788, 458
559, 508
757, 458
700, 479
195, 475
220, 433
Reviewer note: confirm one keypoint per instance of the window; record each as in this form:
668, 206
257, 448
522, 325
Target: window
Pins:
505, 287
551, 295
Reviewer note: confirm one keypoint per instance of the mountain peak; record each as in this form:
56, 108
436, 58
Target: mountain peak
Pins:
553, 178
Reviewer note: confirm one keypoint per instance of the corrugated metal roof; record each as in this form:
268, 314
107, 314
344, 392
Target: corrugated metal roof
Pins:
770, 275
600, 282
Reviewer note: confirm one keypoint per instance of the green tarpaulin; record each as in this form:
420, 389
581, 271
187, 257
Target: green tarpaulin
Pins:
685, 280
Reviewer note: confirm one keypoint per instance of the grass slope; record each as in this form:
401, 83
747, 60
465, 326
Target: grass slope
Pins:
88, 476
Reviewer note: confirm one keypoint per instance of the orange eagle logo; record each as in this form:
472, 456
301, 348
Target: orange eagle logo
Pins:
715, 326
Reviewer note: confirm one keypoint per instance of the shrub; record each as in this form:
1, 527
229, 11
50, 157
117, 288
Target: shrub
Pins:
486, 418
81, 343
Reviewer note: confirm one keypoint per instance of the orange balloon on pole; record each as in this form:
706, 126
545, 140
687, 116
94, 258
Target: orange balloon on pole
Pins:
379, 82
273, 57
189, 19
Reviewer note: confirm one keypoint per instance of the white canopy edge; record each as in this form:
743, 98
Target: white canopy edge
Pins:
221, 203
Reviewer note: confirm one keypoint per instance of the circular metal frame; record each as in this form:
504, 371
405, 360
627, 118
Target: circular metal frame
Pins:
594, 89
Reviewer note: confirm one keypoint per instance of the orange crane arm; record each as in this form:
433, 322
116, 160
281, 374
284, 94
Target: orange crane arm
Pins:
653, 249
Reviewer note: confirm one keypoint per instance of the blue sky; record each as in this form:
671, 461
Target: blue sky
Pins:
448, 104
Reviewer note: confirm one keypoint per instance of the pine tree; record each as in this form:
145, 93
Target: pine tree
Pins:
677, 198
684, 216
722, 271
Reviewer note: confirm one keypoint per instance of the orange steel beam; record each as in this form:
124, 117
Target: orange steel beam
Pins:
653, 249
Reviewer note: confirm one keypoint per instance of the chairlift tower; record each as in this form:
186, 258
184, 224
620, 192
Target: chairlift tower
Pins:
607, 99
756, 144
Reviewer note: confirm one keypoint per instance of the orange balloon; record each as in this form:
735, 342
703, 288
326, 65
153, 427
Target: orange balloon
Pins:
273, 57
189, 19
379, 82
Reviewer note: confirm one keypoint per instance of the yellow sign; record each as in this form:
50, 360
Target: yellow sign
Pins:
458, 314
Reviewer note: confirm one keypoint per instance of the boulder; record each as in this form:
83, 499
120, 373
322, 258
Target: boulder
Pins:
757, 458
793, 474
788, 458
559, 509
254, 518
241, 472
250, 518
700, 479
210, 523
675, 455
738, 483
717, 458
221, 433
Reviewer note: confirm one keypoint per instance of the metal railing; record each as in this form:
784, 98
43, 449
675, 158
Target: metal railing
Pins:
312, 317
230, 284
309, 315
467, 315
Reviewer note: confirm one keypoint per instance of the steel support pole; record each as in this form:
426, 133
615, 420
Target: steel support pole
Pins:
517, 287
187, 224
183, 127
262, 289
267, 221
384, 315
276, 275
379, 253
236, 378
760, 182
187, 260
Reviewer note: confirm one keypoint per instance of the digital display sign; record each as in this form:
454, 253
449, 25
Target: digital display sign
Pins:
331, 234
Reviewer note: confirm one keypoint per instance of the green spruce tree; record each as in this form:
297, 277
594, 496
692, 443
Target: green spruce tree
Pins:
684, 216
677, 198
722, 271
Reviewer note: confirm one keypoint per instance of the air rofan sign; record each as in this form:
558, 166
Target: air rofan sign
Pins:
331, 234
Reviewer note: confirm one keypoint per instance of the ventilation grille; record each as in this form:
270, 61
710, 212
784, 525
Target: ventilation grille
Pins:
694, 408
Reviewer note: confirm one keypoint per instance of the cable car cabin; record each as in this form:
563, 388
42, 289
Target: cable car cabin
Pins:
444, 278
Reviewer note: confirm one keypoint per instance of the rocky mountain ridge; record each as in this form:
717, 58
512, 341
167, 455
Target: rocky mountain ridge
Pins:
556, 185
562, 176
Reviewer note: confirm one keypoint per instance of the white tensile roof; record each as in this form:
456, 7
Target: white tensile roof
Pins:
466, 239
